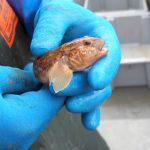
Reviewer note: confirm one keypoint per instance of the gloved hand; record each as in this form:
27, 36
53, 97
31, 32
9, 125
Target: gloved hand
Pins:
24, 110
60, 21
57, 22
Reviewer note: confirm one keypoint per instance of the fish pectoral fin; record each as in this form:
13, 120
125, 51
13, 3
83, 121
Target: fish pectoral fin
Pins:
60, 76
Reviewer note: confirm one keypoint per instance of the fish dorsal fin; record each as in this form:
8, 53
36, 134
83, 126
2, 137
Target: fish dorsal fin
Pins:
60, 76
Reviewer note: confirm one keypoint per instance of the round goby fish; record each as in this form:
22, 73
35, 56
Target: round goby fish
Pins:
56, 67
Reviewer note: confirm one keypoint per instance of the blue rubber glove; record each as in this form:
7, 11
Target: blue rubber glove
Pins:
24, 110
60, 21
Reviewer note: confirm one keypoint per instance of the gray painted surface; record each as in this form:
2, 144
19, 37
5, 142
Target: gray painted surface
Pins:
135, 64
96, 5
66, 132
114, 5
128, 29
130, 75
111, 5
125, 121
131, 26
145, 29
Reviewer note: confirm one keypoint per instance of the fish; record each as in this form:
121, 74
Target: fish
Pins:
56, 67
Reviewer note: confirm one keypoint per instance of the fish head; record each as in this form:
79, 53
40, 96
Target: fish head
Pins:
91, 49
85, 51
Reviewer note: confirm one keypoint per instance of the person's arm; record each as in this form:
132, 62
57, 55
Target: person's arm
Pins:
26, 10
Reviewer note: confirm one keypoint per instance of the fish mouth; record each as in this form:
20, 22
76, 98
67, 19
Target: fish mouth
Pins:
104, 50
99, 44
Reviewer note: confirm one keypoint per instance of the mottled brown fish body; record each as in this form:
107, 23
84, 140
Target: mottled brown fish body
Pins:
43, 64
73, 56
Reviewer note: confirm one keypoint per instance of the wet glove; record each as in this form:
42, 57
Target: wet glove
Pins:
24, 110
60, 21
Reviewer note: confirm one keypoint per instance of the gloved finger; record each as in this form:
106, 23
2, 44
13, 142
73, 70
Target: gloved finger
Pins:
52, 103
51, 24
88, 101
14, 80
106, 68
28, 67
41, 99
91, 120
78, 85
29, 113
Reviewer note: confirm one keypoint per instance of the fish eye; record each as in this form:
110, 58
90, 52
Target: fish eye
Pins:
87, 43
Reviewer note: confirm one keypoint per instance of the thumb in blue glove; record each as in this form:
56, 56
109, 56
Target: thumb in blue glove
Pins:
26, 113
